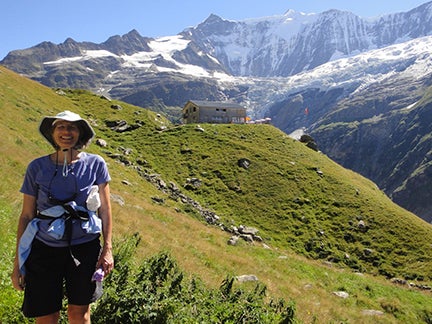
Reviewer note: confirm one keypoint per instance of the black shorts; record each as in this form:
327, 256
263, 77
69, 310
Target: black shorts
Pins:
51, 273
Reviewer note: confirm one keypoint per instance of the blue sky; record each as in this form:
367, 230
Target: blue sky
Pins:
25, 23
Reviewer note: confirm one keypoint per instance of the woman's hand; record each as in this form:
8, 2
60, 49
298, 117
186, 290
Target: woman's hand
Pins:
17, 279
106, 260
27, 214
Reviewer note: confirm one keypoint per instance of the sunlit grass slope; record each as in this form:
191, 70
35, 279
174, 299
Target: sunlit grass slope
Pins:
324, 228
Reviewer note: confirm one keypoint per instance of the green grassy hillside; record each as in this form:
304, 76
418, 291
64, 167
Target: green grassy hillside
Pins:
324, 228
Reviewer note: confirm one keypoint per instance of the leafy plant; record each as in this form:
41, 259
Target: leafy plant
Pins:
157, 292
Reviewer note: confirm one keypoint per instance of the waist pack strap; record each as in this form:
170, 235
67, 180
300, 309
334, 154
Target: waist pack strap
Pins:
76, 214
73, 214
42, 216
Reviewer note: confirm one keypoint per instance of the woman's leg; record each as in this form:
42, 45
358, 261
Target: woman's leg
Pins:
48, 319
79, 314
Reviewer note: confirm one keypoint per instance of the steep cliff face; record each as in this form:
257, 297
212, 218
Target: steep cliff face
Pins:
415, 167
392, 148
393, 28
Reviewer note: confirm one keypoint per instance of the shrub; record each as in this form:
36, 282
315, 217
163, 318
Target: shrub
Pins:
157, 292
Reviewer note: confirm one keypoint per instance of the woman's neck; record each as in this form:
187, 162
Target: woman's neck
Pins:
71, 156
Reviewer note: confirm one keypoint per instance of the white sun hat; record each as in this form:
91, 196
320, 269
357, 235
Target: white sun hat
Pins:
86, 131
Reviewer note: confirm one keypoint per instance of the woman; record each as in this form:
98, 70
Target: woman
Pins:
65, 209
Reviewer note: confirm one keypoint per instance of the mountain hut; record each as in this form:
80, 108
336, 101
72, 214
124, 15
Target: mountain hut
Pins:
215, 112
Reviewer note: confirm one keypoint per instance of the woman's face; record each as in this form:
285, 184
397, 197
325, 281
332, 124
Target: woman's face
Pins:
65, 134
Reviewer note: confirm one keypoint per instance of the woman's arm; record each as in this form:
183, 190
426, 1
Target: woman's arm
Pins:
106, 260
27, 214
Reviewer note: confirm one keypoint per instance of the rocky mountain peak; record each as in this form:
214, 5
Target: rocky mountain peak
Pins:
128, 44
213, 25
69, 40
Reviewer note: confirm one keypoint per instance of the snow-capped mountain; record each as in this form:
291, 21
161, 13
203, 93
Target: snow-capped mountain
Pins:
295, 42
342, 78
218, 50
406, 66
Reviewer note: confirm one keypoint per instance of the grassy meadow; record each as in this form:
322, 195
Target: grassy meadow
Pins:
325, 229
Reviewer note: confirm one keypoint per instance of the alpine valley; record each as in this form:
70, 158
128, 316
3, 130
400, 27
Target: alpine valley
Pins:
360, 87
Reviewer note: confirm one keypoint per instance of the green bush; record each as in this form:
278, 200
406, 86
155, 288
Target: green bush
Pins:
157, 292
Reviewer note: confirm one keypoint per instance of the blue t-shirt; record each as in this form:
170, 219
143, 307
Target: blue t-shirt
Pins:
44, 180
